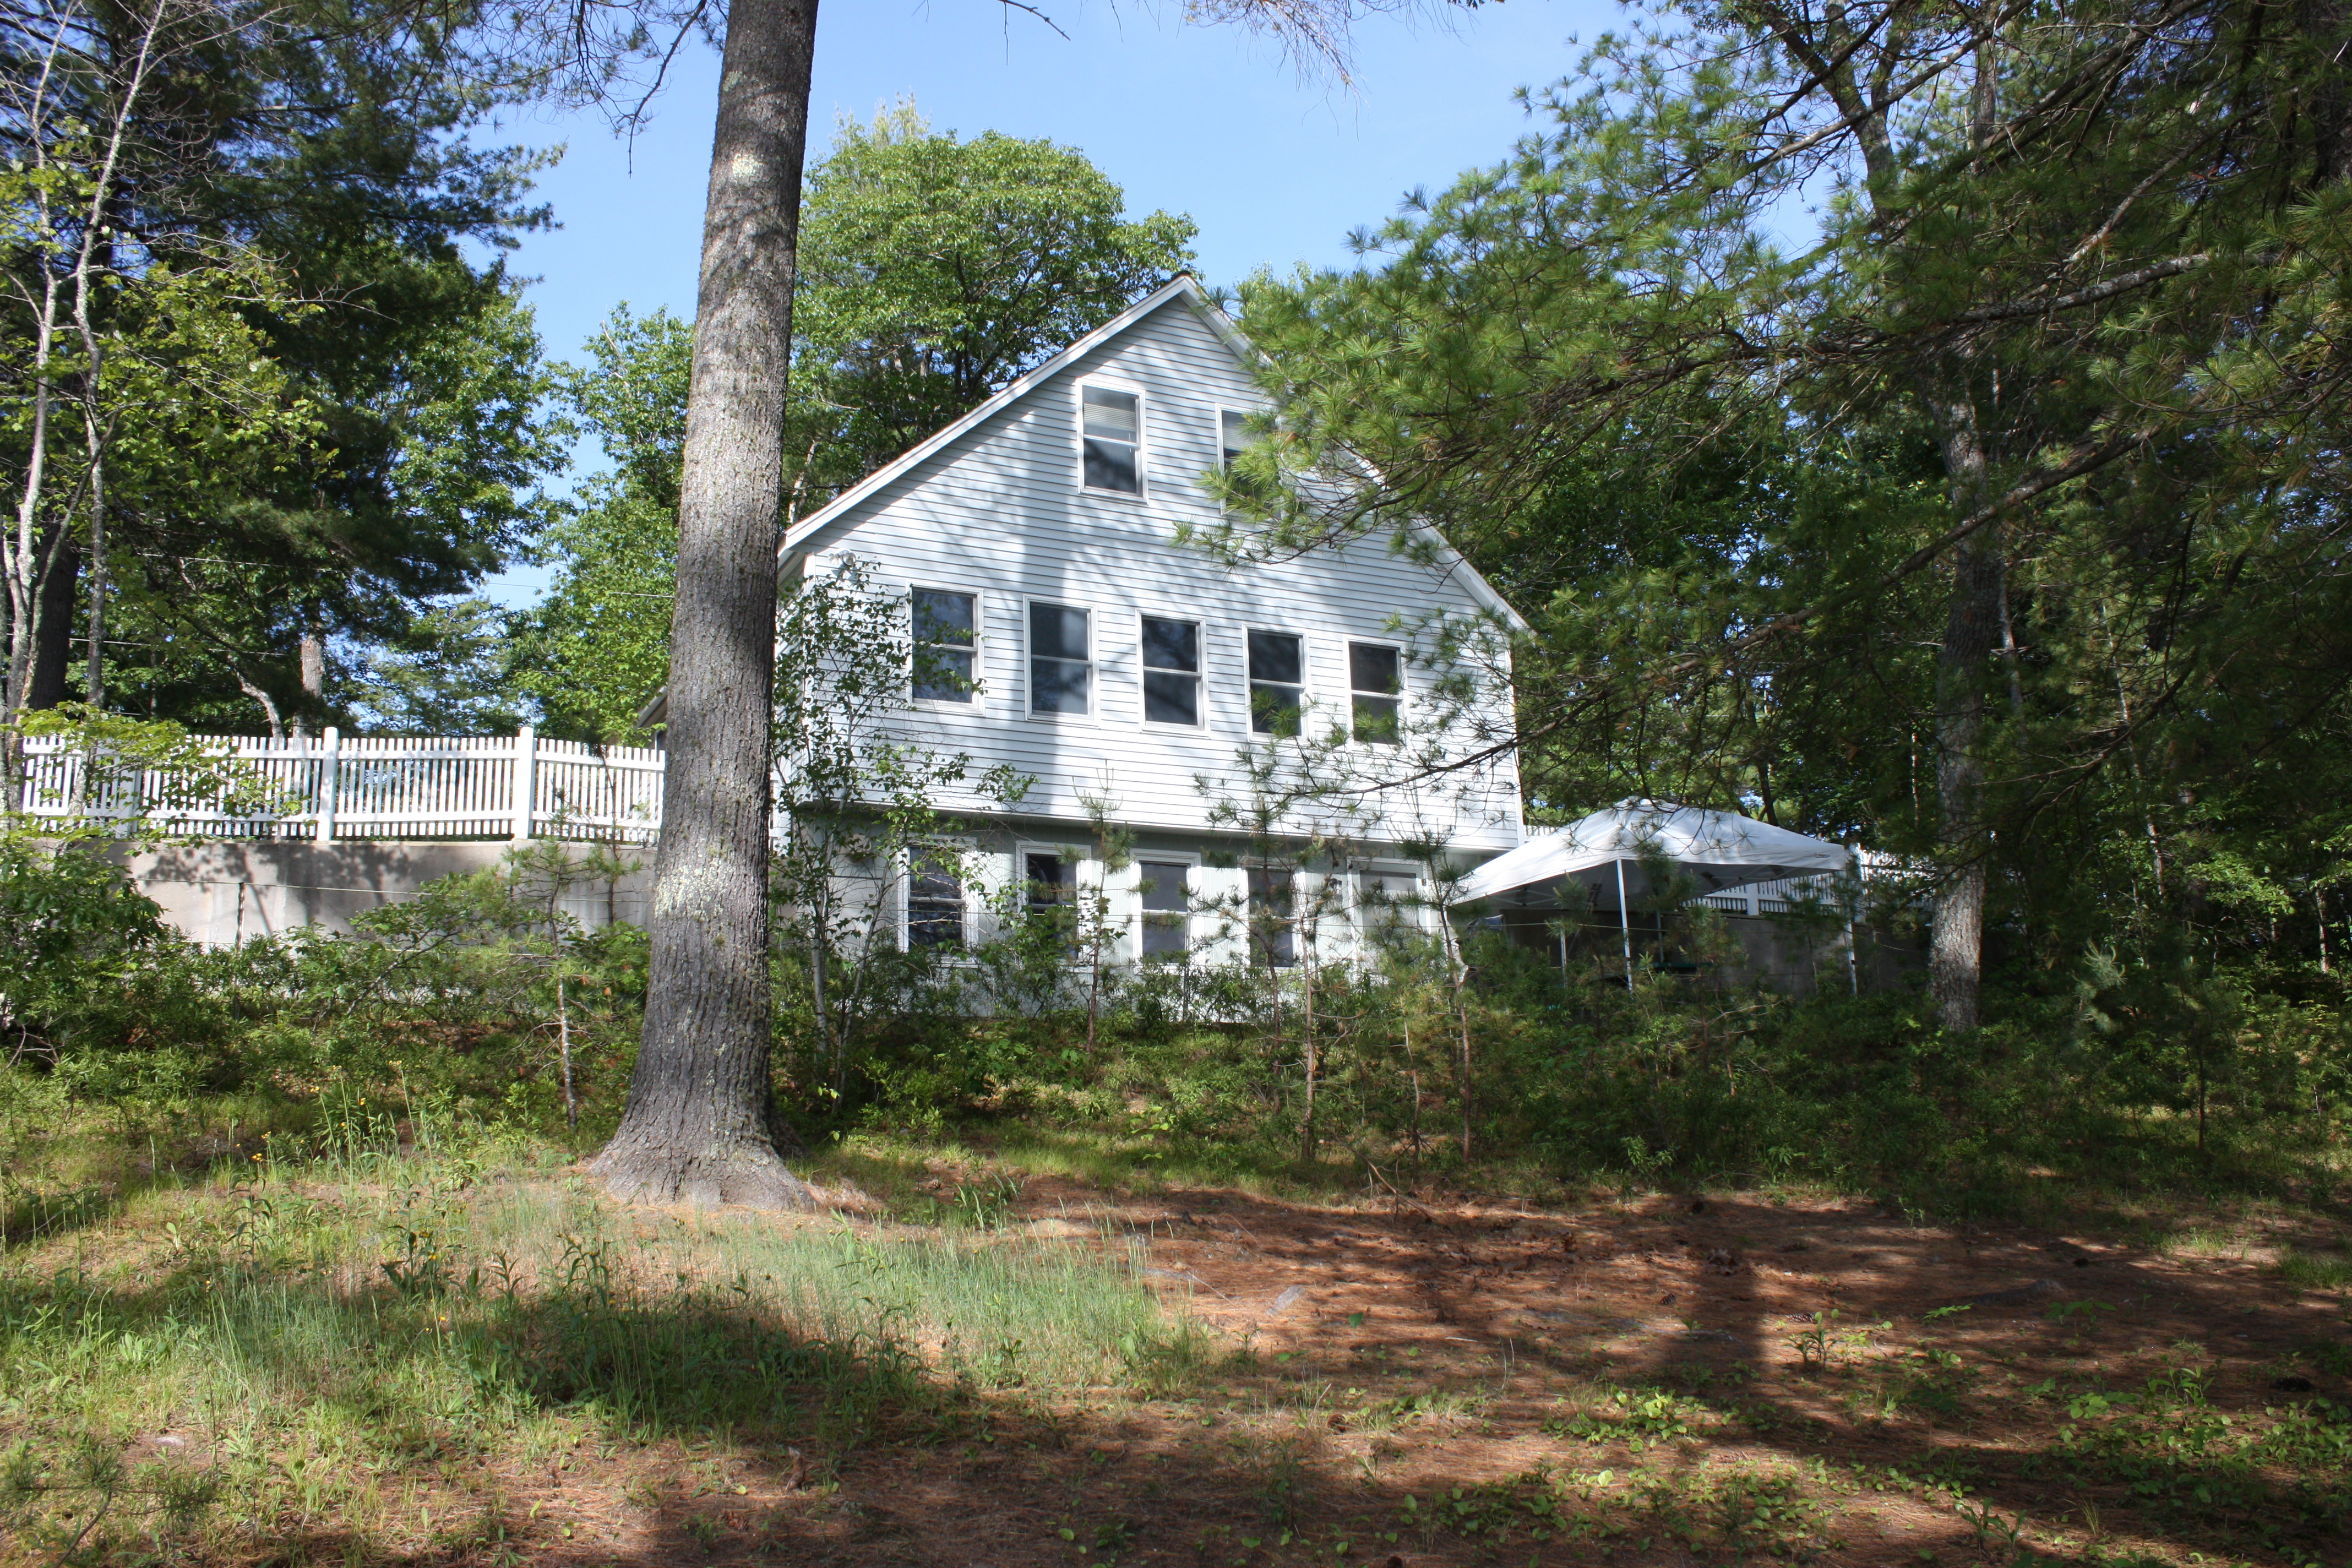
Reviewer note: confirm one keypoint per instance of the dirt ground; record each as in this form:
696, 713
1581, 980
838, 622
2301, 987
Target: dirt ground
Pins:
1660, 1380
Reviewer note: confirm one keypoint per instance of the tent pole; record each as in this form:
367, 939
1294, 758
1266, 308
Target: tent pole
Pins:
1626, 925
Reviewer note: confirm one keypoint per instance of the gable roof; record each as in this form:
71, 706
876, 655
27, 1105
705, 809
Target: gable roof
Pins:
1182, 286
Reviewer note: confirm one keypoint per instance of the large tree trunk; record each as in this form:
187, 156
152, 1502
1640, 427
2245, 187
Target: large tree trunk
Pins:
53, 638
1971, 628
701, 1126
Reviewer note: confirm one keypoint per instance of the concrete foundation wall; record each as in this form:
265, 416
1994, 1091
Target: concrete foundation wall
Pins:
221, 892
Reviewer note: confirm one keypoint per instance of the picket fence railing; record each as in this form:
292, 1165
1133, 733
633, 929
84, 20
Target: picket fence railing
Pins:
336, 787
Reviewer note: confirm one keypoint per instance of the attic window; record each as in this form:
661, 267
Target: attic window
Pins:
1111, 439
1236, 435
1374, 673
1233, 438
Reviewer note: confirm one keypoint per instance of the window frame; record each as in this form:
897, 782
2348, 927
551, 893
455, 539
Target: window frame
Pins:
1199, 626
1412, 918
1029, 657
1192, 862
1286, 932
1224, 465
1404, 662
960, 849
1306, 682
1142, 434
1074, 855
978, 701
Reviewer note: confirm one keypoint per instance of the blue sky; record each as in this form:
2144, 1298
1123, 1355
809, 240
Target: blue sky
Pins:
1276, 172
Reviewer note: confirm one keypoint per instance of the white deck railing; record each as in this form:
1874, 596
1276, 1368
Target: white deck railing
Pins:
339, 787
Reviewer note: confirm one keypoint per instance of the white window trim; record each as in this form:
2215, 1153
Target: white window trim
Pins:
1306, 689
979, 703
1223, 409
1217, 434
1087, 881
1078, 855
1200, 625
1093, 715
1404, 688
1142, 436
1298, 892
1190, 860
1412, 917
962, 848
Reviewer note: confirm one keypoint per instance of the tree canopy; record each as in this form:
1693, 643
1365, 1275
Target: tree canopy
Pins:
375, 399
935, 272
1917, 420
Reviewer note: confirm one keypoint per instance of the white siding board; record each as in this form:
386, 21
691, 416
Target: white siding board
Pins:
999, 511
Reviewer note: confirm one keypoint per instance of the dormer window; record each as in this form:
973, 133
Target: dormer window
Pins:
1111, 439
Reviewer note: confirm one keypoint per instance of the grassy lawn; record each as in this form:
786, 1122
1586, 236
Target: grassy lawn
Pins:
413, 1343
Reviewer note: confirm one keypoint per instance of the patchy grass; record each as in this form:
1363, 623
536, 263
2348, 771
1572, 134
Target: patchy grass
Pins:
2317, 1270
425, 1344
217, 1367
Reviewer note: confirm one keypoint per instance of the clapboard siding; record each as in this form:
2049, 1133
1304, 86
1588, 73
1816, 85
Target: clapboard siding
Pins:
999, 511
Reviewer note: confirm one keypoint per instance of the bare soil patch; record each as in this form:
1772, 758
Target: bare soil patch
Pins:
1662, 1380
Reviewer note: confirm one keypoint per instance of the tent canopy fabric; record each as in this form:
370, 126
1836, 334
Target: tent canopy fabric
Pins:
1717, 849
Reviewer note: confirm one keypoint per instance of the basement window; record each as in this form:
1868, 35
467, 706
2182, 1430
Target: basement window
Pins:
1273, 940
1167, 908
934, 901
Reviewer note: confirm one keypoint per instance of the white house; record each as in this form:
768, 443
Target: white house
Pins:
1036, 540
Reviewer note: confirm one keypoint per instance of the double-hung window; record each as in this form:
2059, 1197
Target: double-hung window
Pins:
1172, 671
1061, 659
1278, 669
1388, 904
1233, 438
1377, 675
934, 901
946, 634
1167, 908
1273, 938
1233, 431
1111, 439
1051, 894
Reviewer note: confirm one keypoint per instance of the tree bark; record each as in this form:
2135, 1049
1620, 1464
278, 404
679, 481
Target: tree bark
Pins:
1971, 632
700, 1125
53, 636
314, 669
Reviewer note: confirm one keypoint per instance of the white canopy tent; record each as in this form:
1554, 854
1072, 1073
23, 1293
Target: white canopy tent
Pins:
1613, 849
